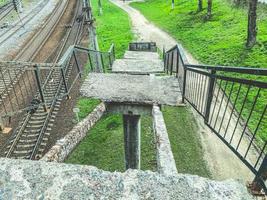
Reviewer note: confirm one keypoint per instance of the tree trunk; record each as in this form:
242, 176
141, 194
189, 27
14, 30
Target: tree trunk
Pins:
252, 23
200, 5
209, 9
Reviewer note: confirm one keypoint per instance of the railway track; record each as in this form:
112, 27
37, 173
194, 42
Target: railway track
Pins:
6, 34
31, 137
9, 78
5, 10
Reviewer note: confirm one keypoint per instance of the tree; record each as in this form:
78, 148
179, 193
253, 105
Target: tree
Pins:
209, 9
252, 24
200, 5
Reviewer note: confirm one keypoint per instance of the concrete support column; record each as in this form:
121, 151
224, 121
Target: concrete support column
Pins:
132, 131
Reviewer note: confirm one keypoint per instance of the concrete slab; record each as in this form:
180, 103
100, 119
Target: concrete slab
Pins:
141, 55
138, 89
135, 66
24, 179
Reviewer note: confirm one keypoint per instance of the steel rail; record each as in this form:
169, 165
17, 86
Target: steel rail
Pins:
58, 89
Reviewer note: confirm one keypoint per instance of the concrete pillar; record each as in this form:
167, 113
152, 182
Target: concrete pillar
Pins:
132, 131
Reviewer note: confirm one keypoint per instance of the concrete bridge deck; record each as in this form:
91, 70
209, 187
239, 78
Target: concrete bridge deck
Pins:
137, 89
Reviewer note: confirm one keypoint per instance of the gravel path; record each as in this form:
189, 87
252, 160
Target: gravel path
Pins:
222, 163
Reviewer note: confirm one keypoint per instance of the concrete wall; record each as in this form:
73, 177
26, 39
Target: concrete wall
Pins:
165, 161
64, 146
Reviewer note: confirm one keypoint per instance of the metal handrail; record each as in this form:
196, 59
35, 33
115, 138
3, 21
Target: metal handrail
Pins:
213, 91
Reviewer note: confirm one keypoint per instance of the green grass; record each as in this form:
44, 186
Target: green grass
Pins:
185, 142
86, 106
112, 27
220, 41
103, 146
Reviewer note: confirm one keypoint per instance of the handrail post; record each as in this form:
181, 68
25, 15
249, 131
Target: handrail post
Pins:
172, 62
110, 62
77, 64
64, 82
184, 84
258, 182
37, 76
113, 51
211, 85
90, 61
102, 62
167, 63
177, 63
163, 57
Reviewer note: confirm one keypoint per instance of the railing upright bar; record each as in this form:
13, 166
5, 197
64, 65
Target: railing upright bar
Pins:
177, 63
77, 64
171, 62
40, 88
258, 183
184, 84
211, 86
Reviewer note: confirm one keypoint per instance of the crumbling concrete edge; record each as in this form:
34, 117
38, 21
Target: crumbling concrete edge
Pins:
64, 146
165, 160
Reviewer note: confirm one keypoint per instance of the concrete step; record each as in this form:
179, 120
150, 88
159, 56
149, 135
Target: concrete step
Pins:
142, 55
134, 66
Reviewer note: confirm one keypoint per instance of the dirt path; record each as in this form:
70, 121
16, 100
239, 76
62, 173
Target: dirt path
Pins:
222, 163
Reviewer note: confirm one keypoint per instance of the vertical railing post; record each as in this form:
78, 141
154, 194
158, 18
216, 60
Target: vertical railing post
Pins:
163, 55
64, 82
114, 55
90, 61
184, 84
177, 63
37, 76
167, 63
172, 62
102, 62
77, 64
211, 86
110, 62
258, 183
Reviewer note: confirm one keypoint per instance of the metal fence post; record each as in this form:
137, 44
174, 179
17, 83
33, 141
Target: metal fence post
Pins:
184, 84
64, 82
172, 62
90, 61
177, 63
167, 63
77, 64
114, 55
37, 76
211, 85
258, 183
102, 62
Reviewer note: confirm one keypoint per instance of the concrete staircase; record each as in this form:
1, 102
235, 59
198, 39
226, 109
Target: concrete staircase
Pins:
133, 80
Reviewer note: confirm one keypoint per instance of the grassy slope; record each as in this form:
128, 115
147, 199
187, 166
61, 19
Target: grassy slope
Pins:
112, 27
220, 41
185, 143
103, 147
